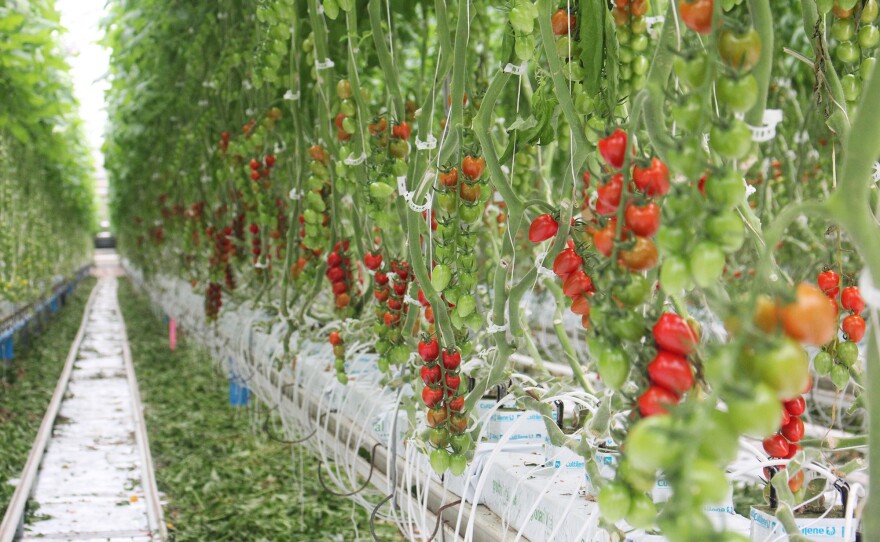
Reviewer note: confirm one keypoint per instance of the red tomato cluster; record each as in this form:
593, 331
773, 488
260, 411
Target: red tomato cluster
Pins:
442, 382
783, 444
339, 274
391, 292
262, 169
669, 372
576, 284
850, 299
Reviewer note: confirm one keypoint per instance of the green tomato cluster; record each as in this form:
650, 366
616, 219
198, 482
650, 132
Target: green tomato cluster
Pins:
856, 36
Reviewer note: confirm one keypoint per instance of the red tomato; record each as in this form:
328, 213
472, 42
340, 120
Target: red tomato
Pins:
796, 406
373, 261
792, 449
456, 403
449, 178
401, 131
566, 263
613, 148
655, 400
562, 22
577, 284
431, 396
776, 446
342, 301
652, 180
697, 15
335, 338
793, 431
828, 280
431, 375
671, 371
581, 305
381, 279
797, 480
851, 300
609, 195
542, 228
451, 360
641, 257
452, 383
334, 259
429, 351
644, 221
810, 319
854, 327
473, 166
674, 334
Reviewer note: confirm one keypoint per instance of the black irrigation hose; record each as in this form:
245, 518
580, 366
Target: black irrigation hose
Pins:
440, 518
358, 490
281, 440
373, 516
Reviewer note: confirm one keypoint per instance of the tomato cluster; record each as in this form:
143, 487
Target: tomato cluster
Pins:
444, 398
338, 344
669, 372
315, 219
213, 300
838, 359
783, 444
391, 288
856, 37
341, 278
522, 17
630, 17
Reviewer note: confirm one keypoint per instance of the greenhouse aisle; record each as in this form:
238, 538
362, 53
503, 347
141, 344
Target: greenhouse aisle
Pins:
95, 479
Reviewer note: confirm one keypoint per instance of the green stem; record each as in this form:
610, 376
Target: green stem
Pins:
762, 18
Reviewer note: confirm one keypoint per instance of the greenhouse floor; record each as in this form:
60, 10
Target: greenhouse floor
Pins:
90, 471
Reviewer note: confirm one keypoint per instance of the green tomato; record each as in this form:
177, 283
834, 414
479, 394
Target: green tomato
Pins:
597, 317
852, 87
869, 36
686, 159
823, 363
651, 446
719, 441
727, 190
640, 65
624, 36
635, 292
843, 29
642, 512
638, 480
470, 214
457, 464
706, 482
522, 16
726, 229
439, 437
380, 191
466, 305
867, 67
691, 73
440, 277
824, 6
639, 43
524, 46
638, 25
686, 526
869, 12
671, 240
706, 263
315, 202
475, 321
399, 354
739, 95
720, 366
629, 327
840, 376
440, 460
613, 365
848, 52
614, 502
732, 142
758, 415
688, 115
625, 55
564, 47
461, 442
848, 353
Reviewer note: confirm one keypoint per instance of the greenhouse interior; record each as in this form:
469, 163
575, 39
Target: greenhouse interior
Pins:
439, 270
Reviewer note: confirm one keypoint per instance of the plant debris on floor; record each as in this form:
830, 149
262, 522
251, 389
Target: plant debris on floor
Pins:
27, 385
223, 478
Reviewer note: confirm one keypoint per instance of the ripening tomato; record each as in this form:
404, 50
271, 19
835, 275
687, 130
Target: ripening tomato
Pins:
542, 228
655, 401
776, 446
854, 326
851, 300
810, 319
604, 239
697, 15
449, 177
641, 257
473, 166
643, 221
469, 192
671, 371
562, 22
674, 334
796, 481
436, 416
401, 131
335, 338
613, 148
740, 51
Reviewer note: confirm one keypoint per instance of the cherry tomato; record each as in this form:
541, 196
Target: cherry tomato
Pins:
430, 375
740, 51
757, 415
609, 195
431, 396
854, 326
643, 221
641, 257
613, 148
449, 178
372, 261
473, 167
335, 338
810, 319
691, 72
604, 239
542, 228
566, 263
785, 368
562, 22
451, 360
793, 431
581, 305
655, 401
733, 141
828, 280
401, 131
851, 300
739, 94
671, 371
697, 15
577, 283
652, 180
776, 446
796, 406
674, 334
429, 350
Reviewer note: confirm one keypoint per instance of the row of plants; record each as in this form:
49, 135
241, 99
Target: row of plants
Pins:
406, 174
46, 196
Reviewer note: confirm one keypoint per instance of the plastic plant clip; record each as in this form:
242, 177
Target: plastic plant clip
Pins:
351, 160
515, 70
291, 96
427, 145
325, 64
767, 130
